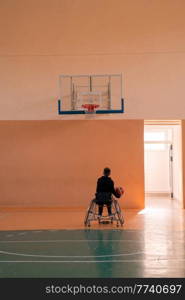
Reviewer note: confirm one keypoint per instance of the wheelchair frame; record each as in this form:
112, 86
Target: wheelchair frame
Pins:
92, 214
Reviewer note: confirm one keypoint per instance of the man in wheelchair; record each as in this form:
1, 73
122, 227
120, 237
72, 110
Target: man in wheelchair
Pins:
104, 196
104, 191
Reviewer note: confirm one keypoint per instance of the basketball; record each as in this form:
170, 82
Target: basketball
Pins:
119, 191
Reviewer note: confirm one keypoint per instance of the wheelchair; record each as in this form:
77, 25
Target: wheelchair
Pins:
92, 214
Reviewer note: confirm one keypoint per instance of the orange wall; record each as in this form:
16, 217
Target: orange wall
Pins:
54, 163
183, 159
81, 27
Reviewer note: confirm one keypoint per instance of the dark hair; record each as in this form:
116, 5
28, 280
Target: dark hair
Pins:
106, 171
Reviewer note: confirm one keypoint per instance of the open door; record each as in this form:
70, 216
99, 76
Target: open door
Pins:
163, 163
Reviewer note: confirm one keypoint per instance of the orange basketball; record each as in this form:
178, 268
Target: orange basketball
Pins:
119, 191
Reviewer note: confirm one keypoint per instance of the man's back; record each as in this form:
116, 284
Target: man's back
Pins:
105, 185
104, 191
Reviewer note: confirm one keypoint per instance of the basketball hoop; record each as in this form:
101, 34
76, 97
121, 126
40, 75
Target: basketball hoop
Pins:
90, 108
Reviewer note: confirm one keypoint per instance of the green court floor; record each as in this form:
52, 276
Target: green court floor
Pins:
91, 253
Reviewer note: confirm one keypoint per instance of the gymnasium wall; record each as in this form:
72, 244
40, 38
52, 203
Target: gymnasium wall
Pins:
144, 40
183, 160
40, 39
56, 164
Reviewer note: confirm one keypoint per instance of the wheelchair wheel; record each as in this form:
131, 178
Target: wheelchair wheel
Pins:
86, 218
90, 213
119, 214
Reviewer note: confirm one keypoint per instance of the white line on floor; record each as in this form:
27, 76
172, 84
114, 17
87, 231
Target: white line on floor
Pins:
69, 241
72, 256
90, 261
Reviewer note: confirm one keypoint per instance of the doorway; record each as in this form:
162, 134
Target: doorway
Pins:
163, 164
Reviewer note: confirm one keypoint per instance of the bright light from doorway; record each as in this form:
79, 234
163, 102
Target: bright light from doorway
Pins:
153, 211
155, 147
155, 136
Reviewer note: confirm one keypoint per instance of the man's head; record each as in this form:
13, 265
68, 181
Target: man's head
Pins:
106, 172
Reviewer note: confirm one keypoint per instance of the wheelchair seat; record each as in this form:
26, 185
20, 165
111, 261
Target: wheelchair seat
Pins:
92, 214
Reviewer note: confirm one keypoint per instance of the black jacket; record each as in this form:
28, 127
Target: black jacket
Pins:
105, 185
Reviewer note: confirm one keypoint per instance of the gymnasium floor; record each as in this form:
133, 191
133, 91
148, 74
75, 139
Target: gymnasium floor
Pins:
54, 243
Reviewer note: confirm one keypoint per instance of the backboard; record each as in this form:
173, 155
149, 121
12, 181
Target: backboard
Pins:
103, 92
